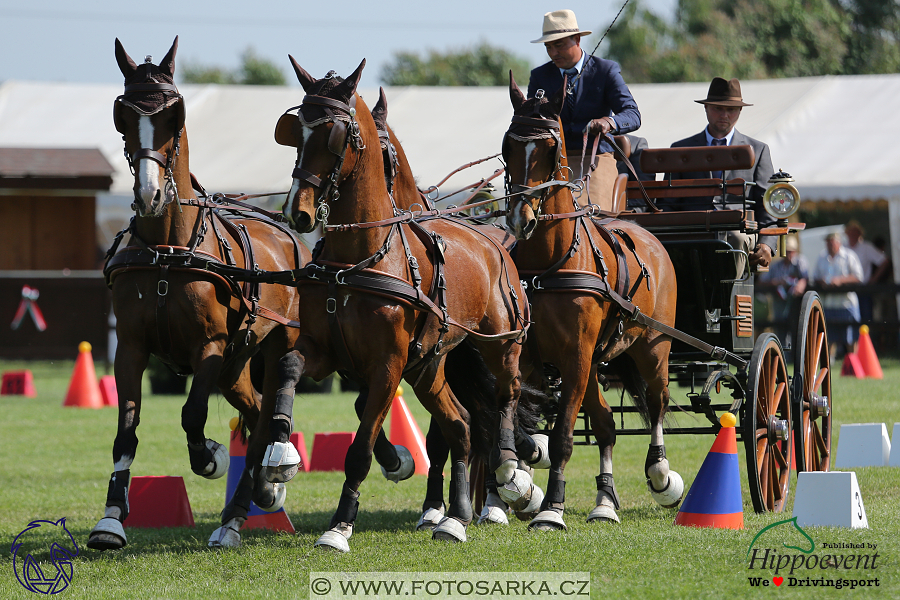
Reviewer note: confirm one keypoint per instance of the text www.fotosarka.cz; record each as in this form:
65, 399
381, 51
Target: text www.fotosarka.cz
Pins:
389, 585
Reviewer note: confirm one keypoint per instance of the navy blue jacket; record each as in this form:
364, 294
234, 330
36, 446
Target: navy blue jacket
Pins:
601, 92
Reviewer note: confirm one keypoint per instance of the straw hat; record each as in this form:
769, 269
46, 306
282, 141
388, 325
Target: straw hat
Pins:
557, 25
724, 93
791, 244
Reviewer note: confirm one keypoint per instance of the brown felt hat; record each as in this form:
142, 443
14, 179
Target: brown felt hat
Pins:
724, 93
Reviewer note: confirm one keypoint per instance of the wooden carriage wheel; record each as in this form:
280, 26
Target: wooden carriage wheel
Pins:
766, 422
812, 388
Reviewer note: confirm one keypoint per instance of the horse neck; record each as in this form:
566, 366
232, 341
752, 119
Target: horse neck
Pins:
406, 193
551, 239
177, 225
363, 199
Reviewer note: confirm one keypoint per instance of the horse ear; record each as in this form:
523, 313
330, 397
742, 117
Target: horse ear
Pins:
167, 64
126, 65
306, 80
348, 86
379, 111
515, 94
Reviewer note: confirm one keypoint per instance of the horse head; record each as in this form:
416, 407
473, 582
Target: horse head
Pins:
534, 152
328, 131
150, 117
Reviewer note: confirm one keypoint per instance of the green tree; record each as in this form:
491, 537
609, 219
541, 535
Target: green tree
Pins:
254, 70
757, 39
481, 65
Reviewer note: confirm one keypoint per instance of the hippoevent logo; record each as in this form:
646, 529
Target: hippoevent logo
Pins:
42, 556
851, 568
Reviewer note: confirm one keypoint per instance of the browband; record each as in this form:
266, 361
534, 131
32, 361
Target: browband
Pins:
536, 122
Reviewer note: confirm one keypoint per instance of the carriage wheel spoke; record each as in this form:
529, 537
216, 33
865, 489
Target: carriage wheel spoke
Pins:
819, 345
823, 373
761, 449
779, 457
778, 398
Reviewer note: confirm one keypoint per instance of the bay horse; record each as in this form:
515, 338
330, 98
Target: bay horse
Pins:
594, 284
169, 300
365, 312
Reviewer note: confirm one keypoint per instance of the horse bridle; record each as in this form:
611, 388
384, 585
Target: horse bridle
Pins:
344, 133
173, 98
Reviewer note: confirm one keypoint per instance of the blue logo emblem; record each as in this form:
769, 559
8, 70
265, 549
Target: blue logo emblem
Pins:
42, 556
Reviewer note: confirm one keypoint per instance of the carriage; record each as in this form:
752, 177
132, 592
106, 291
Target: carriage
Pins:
783, 415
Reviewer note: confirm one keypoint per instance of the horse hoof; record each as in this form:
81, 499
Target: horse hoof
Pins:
493, 515
333, 540
281, 462
430, 519
405, 470
543, 451
671, 495
220, 461
603, 514
548, 520
449, 530
108, 534
225, 537
280, 495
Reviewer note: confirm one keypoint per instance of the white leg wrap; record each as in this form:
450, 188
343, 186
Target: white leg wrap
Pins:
280, 496
541, 458
405, 470
281, 462
506, 471
336, 538
450, 530
671, 494
494, 511
518, 491
430, 519
228, 535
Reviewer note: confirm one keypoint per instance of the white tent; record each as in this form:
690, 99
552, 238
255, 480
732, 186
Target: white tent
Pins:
809, 123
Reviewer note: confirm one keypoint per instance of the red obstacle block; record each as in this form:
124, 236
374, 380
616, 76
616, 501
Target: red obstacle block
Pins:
852, 367
108, 391
156, 502
330, 450
300, 445
18, 383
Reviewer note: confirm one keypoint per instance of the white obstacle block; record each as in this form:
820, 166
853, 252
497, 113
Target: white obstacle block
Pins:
863, 445
895, 447
829, 499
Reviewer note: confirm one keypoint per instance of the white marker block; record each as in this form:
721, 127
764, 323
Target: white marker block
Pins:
829, 499
895, 447
863, 445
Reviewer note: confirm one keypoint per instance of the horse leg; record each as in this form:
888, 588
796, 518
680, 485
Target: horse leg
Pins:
397, 463
130, 363
438, 450
604, 428
359, 457
666, 486
208, 458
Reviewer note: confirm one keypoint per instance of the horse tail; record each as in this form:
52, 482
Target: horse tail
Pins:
626, 369
474, 386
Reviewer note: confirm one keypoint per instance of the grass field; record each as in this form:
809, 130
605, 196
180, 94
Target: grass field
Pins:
55, 462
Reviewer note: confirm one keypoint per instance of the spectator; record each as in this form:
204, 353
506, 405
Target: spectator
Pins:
869, 256
837, 266
789, 276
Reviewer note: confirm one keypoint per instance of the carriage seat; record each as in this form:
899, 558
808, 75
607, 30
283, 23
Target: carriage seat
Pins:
699, 158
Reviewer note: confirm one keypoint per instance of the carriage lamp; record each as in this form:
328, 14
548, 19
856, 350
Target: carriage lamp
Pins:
485, 210
781, 201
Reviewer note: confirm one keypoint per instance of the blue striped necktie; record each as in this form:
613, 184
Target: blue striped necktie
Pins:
570, 97
718, 142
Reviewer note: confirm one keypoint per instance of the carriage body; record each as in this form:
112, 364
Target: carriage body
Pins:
748, 374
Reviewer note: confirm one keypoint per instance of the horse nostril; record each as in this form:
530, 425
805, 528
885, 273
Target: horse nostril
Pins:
529, 226
302, 222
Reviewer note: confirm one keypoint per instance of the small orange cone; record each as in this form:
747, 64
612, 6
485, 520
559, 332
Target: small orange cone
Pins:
405, 432
714, 499
866, 353
852, 367
83, 389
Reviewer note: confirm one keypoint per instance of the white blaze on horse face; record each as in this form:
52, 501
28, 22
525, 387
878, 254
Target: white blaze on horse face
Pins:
530, 147
148, 171
296, 183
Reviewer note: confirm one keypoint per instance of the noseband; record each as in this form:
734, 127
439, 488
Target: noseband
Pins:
172, 98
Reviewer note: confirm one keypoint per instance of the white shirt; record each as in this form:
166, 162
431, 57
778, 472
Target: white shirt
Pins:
710, 138
869, 257
845, 262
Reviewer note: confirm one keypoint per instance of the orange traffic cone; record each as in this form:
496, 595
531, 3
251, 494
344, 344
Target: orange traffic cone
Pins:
83, 389
405, 432
866, 354
714, 499
852, 367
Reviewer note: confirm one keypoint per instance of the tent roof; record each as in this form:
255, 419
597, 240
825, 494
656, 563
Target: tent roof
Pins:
805, 121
